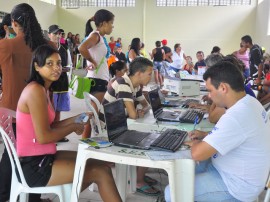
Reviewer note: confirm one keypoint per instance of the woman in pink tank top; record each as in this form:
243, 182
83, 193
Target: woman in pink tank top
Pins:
37, 133
243, 55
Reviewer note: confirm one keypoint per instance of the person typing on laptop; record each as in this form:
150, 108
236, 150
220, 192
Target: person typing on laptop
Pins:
129, 88
234, 157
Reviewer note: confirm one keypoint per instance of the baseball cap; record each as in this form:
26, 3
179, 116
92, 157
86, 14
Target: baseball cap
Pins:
54, 29
164, 42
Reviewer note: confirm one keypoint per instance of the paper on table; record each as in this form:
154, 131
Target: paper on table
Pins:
163, 155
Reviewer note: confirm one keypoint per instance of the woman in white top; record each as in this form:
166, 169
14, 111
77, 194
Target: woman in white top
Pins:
95, 50
177, 58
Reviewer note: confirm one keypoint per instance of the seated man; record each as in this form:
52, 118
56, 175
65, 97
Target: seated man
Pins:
129, 88
239, 144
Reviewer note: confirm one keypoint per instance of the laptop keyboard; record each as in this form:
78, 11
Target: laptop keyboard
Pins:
169, 140
190, 115
188, 101
131, 137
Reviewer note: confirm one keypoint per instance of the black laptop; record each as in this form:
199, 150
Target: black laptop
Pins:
118, 133
188, 116
157, 108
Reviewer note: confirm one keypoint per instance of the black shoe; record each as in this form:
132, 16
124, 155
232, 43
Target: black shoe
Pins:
64, 140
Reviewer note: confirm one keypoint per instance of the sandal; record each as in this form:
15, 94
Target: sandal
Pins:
144, 189
150, 181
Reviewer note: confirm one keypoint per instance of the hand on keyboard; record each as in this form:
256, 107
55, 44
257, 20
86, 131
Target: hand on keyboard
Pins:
197, 134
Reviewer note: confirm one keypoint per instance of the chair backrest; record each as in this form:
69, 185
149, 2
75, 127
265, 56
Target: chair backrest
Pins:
6, 116
88, 98
9, 141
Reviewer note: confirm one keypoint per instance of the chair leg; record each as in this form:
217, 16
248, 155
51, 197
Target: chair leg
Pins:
267, 195
133, 178
24, 197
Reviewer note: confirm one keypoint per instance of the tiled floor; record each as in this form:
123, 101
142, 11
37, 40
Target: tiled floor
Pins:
78, 106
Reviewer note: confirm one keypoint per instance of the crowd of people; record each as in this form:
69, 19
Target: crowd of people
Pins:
234, 162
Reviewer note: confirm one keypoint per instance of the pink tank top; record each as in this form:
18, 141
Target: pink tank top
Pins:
244, 58
26, 138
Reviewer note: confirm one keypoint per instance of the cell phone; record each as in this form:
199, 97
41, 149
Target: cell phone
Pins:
85, 119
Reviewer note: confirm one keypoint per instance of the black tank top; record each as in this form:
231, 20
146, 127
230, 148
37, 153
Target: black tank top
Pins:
158, 56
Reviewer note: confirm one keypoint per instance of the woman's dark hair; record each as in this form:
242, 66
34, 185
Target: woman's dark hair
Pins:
176, 46
2, 31
39, 57
136, 45
215, 49
118, 65
25, 16
100, 16
6, 20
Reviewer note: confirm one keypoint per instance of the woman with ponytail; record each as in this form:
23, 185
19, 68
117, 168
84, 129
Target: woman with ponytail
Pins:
15, 59
95, 50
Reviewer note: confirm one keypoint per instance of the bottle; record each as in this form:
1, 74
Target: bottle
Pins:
193, 71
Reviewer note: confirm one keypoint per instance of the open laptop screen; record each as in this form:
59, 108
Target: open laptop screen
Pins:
155, 101
115, 118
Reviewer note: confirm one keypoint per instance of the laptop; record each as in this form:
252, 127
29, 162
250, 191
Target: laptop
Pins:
158, 112
118, 133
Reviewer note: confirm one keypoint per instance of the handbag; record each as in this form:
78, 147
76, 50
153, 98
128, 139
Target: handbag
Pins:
79, 83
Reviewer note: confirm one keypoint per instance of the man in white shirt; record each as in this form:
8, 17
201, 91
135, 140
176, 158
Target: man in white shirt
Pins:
239, 144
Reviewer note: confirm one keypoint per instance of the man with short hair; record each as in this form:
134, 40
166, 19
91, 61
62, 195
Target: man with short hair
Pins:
255, 58
239, 144
167, 50
61, 97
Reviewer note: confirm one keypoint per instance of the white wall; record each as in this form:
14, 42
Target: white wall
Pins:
196, 28
263, 24
46, 13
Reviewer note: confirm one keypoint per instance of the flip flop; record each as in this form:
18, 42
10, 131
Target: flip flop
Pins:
144, 189
64, 140
150, 181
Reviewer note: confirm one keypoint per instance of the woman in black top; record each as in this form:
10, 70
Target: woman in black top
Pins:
158, 55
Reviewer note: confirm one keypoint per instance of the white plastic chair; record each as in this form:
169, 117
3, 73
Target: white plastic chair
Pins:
95, 123
267, 194
22, 188
131, 169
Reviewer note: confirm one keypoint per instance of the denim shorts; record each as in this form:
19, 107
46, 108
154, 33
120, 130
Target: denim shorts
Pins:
157, 65
61, 101
37, 169
209, 185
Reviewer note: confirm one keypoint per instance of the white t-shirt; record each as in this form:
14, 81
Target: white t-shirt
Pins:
177, 60
242, 139
98, 53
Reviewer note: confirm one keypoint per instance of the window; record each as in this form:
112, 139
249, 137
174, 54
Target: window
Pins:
97, 3
50, 1
202, 2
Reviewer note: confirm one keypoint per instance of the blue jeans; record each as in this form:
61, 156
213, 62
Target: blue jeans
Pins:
247, 73
209, 185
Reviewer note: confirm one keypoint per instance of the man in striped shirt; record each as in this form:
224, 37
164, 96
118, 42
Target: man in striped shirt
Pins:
129, 88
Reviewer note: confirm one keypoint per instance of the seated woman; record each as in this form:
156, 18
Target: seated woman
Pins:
117, 70
37, 134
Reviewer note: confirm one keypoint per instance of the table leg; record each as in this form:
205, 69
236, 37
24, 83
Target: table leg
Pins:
121, 180
181, 180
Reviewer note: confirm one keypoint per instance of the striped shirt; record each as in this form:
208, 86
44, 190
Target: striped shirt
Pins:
121, 88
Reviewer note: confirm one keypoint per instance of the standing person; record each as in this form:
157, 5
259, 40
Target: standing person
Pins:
112, 44
178, 57
6, 22
158, 55
15, 59
234, 157
143, 51
42, 164
200, 63
255, 58
61, 99
243, 55
167, 50
134, 50
95, 50
215, 50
